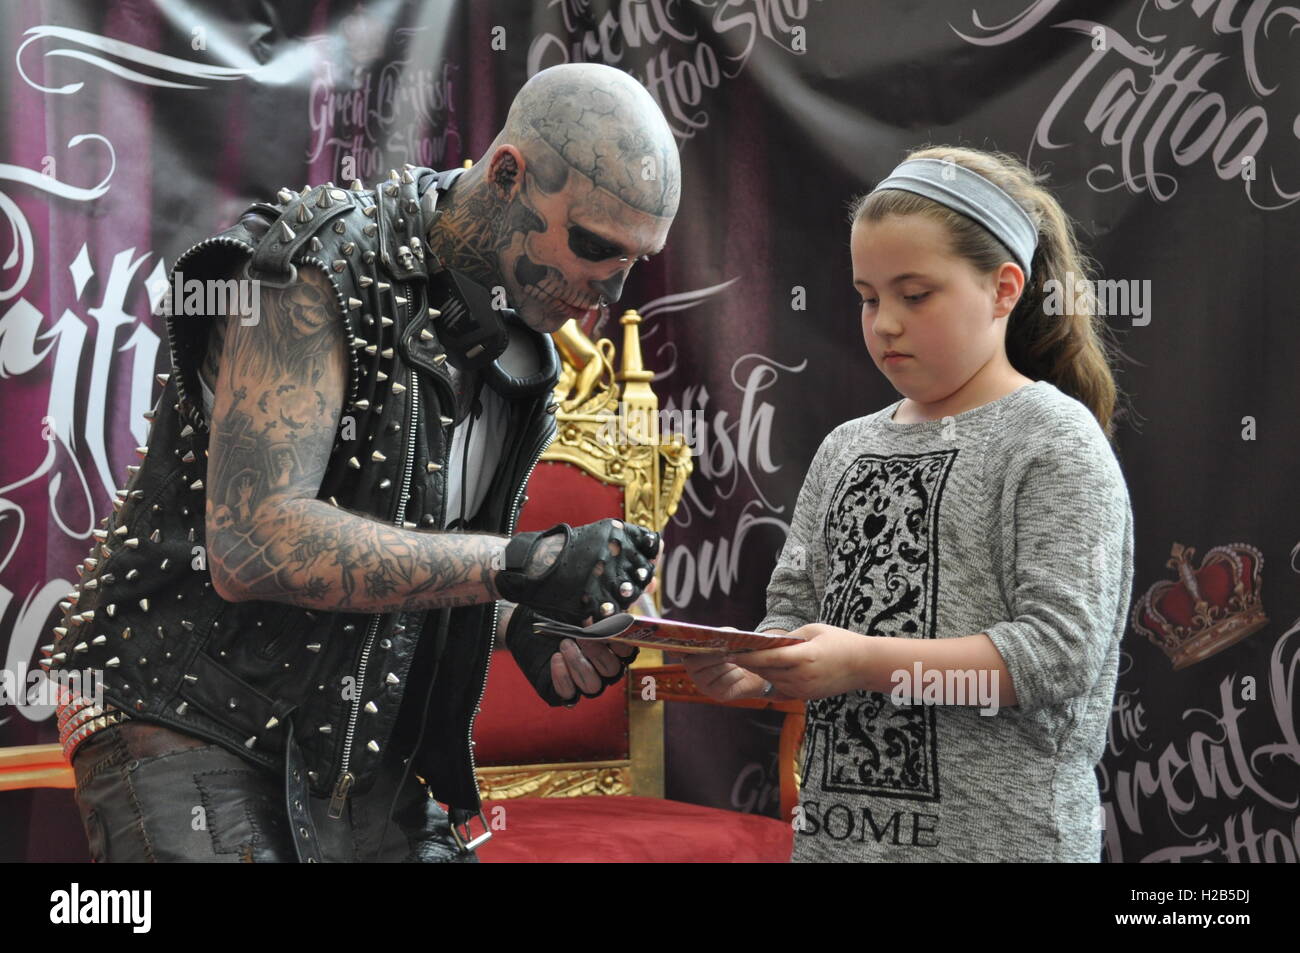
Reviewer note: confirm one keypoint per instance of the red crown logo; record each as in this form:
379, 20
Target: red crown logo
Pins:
1207, 609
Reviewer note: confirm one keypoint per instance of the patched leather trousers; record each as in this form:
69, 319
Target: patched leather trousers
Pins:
148, 793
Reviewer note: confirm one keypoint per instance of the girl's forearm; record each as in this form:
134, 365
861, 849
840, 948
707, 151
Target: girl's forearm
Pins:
884, 657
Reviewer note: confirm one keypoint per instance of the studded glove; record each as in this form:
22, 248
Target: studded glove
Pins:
533, 653
571, 574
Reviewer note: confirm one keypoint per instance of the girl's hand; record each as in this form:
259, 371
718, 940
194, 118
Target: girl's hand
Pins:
722, 680
830, 662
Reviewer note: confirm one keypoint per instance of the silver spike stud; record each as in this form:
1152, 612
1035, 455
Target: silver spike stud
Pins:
182, 708
352, 462
392, 679
287, 234
378, 457
144, 605
304, 214
323, 199
426, 334
314, 244
162, 379
339, 227
399, 387
373, 746
252, 740
372, 708
114, 662
432, 467
356, 186
272, 722
326, 729
286, 196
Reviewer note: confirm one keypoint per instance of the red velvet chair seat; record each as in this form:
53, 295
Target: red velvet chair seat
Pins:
628, 829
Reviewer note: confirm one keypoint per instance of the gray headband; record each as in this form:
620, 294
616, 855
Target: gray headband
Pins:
974, 196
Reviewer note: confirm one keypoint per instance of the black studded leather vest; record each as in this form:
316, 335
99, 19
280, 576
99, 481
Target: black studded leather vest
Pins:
244, 674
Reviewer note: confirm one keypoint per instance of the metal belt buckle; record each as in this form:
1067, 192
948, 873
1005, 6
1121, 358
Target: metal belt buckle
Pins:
465, 842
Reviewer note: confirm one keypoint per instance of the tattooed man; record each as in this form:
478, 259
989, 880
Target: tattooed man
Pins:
294, 601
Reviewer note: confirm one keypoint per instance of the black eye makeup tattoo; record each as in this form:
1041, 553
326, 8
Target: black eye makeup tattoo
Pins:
592, 247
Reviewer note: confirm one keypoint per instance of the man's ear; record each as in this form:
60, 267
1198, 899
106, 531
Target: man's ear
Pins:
506, 171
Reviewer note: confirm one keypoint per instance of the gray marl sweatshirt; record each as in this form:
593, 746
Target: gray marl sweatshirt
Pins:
1011, 519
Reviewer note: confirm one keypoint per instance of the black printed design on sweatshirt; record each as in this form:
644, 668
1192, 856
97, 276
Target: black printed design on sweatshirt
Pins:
882, 536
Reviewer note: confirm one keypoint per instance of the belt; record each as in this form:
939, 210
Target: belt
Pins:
297, 793
80, 718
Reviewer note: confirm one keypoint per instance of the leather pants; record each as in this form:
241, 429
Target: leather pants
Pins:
148, 793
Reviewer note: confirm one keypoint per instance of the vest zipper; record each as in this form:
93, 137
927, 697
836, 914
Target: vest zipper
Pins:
496, 614
345, 777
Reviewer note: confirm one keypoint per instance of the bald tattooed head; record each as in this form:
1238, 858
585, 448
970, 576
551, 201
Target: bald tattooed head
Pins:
581, 182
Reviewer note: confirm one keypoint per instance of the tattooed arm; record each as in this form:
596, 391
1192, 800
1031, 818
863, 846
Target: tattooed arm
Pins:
279, 398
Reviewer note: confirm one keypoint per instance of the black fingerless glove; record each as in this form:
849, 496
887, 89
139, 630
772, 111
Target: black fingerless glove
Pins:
588, 578
533, 653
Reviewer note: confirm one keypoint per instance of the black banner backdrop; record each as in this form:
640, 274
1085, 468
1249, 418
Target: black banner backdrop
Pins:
1170, 129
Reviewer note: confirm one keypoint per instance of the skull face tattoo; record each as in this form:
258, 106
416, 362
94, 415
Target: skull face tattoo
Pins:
571, 247
582, 181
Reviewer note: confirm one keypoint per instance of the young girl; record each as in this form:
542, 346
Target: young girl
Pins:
960, 562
